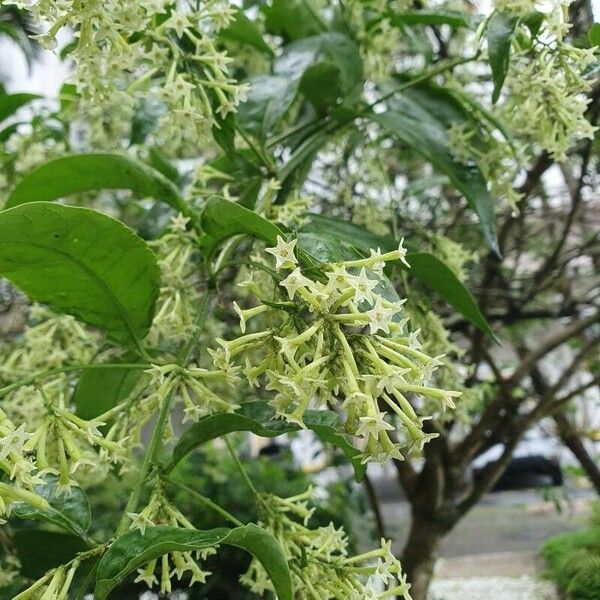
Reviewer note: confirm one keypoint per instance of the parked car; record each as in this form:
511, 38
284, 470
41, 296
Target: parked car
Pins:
535, 463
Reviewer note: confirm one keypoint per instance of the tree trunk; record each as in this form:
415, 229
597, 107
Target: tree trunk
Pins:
420, 554
574, 443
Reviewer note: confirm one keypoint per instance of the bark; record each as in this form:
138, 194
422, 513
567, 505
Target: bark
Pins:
570, 438
420, 553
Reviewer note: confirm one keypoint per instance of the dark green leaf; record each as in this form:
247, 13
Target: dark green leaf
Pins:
69, 510
440, 278
332, 47
224, 133
259, 418
40, 551
8, 131
157, 160
222, 219
70, 175
98, 390
10, 591
321, 85
11, 103
246, 32
500, 31
145, 119
81, 262
269, 99
421, 118
291, 20
134, 549
453, 18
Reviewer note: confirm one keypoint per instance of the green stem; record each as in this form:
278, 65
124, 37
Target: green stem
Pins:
188, 350
206, 501
69, 368
149, 459
240, 466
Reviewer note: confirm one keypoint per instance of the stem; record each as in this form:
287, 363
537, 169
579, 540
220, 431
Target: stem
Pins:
188, 350
240, 466
149, 459
68, 369
206, 501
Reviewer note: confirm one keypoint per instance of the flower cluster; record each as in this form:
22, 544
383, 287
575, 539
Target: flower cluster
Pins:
158, 50
318, 558
160, 511
178, 299
547, 102
56, 583
340, 342
188, 385
17, 466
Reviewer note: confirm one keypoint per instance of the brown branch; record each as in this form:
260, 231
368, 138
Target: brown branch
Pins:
375, 507
531, 359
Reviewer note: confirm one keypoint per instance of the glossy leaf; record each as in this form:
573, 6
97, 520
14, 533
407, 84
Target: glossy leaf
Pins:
269, 99
222, 219
134, 549
81, 262
454, 18
39, 551
500, 30
441, 278
259, 418
11, 103
245, 32
68, 510
78, 173
420, 118
99, 390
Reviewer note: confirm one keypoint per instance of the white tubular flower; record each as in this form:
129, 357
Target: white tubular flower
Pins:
340, 341
294, 282
160, 511
283, 253
327, 571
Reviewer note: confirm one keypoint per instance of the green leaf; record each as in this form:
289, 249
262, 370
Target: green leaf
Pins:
291, 20
81, 262
332, 47
222, 219
454, 18
99, 390
321, 85
39, 551
68, 510
70, 175
500, 30
594, 34
269, 99
421, 118
245, 32
440, 278
259, 418
11, 103
134, 549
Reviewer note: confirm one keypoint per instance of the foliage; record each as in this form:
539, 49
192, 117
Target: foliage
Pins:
572, 561
209, 229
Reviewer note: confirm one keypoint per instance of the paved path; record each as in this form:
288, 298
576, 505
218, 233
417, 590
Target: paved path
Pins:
509, 522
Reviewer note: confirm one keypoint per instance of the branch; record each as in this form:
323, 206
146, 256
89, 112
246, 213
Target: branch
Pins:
551, 343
